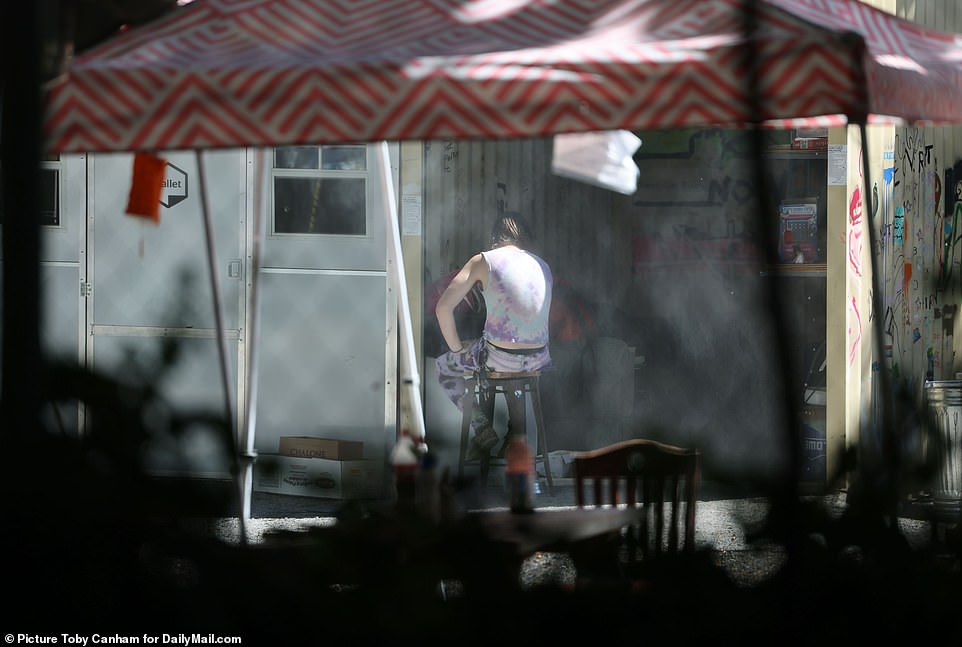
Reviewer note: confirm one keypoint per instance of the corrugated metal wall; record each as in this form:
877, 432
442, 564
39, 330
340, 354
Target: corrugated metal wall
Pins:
941, 14
698, 199
945, 15
577, 226
928, 163
667, 275
585, 234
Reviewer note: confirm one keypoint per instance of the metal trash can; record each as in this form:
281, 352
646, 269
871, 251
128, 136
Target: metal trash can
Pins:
944, 402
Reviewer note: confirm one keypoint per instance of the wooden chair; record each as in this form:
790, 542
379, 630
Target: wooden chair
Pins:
663, 479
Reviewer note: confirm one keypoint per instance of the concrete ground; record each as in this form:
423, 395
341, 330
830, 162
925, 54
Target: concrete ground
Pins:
723, 526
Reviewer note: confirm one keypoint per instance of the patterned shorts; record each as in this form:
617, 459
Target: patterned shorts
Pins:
452, 367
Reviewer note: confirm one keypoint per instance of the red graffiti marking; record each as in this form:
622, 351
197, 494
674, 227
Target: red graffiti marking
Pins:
855, 232
853, 353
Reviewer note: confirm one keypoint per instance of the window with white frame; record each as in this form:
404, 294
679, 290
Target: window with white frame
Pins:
320, 190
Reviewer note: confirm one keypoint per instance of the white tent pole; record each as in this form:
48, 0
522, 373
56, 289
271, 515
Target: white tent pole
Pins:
409, 374
246, 443
218, 317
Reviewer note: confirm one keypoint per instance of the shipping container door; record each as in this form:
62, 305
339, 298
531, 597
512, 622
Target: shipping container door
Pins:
61, 273
324, 360
151, 287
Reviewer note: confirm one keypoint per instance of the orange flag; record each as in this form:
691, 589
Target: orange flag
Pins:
145, 188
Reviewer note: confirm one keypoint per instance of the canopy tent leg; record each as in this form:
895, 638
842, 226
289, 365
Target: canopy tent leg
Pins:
247, 454
890, 451
410, 379
218, 316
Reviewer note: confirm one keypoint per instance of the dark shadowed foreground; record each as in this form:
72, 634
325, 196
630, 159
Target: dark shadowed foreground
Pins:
95, 547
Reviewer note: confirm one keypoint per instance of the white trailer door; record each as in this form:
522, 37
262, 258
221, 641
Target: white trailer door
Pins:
62, 273
325, 360
151, 283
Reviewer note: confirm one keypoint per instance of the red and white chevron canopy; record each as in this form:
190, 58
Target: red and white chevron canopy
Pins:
229, 73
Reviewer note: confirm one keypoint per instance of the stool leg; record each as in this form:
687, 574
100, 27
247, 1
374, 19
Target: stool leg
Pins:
542, 441
467, 410
517, 409
486, 395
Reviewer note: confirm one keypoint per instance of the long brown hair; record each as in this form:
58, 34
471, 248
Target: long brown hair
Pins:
510, 228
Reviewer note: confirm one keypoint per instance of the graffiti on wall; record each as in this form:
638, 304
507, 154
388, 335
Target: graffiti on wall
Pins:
889, 257
949, 254
667, 158
702, 182
854, 332
917, 252
855, 232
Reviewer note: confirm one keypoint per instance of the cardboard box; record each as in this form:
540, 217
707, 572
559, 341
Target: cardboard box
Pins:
314, 447
318, 477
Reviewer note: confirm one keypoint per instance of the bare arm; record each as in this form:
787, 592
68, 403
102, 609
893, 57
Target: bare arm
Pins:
474, 271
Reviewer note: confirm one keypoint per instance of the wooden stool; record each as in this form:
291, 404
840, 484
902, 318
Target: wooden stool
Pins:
506, 384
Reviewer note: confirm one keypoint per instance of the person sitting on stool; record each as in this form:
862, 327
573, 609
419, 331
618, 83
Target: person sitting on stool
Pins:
516, 286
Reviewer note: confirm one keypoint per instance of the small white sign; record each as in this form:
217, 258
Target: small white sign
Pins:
411, 215
837, 164
174, 190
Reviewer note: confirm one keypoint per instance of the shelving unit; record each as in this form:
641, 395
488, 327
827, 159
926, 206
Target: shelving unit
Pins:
796, 174
803, 270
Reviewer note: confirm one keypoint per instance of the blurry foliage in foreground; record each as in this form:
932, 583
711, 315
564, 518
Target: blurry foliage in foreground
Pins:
94, 543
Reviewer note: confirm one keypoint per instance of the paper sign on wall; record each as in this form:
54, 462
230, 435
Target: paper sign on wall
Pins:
837, 165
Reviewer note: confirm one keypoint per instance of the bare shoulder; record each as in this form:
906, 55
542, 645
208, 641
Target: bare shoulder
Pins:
478, 268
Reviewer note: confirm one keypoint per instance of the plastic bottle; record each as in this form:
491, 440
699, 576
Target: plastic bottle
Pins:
428, 488
405, 460
519, 472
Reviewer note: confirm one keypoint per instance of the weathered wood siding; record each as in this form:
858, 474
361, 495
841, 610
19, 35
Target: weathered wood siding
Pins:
686, 302
676, 261
922, 313
579, 229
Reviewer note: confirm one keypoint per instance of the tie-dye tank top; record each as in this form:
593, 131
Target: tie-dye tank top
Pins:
517, 297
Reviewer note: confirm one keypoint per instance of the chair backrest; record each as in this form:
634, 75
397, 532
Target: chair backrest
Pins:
650, 474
